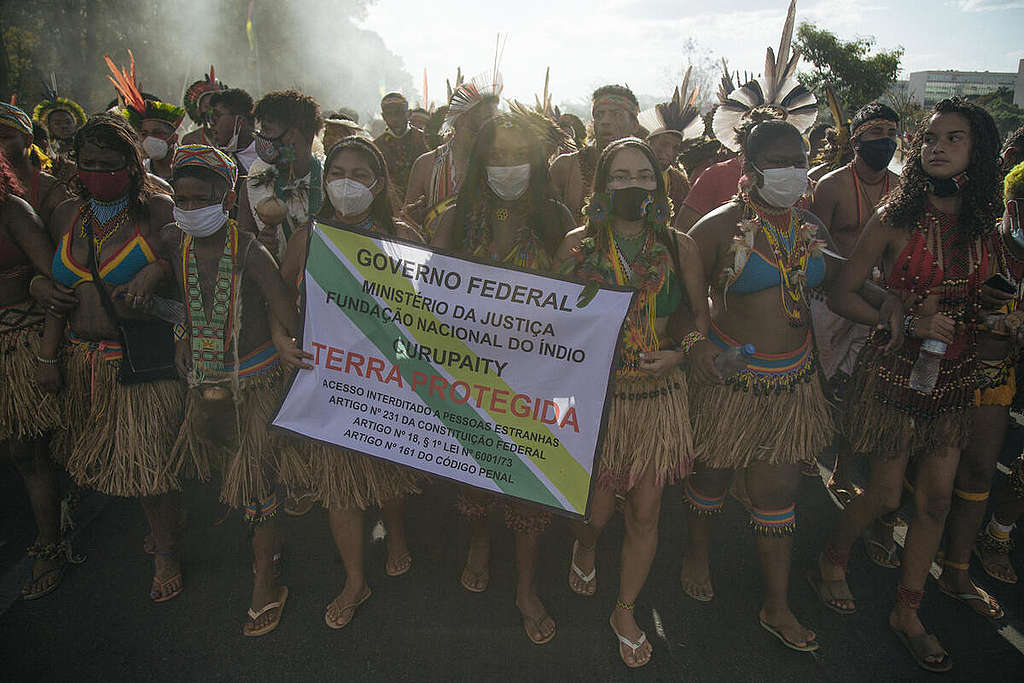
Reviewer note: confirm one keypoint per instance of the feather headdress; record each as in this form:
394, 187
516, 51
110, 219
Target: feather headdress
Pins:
842, 138
53, 102
555, 139
208, 84
485, 86
680, 115
776, 89
136, 108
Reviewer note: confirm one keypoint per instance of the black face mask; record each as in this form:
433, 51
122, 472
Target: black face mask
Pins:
877, 153
630, 203
949, 186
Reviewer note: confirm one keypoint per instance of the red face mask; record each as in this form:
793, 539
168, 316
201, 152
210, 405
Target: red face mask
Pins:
105, 186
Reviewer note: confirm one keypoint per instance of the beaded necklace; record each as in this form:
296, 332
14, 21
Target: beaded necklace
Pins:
857, 191
210, 335
639, 333
792, 255
106, 218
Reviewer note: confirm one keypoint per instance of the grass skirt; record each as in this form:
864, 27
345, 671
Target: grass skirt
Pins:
25, 411
648, 427
251, 461
119, 437
883, 416
341, 479
774, 412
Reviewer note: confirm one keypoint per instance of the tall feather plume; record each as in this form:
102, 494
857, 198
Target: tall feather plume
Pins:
726, 85
125, 85
777, 88
678, 115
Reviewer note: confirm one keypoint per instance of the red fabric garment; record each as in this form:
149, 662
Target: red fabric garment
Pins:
715, 186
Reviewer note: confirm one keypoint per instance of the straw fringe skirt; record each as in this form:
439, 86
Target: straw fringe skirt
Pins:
119, 438
648, 427
341, 479
25, 411
237, 444
775, 412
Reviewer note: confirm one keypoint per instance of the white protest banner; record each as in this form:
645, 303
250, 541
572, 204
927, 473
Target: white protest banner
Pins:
488, 375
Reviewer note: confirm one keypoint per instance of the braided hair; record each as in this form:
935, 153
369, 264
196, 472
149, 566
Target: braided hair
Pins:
982, 204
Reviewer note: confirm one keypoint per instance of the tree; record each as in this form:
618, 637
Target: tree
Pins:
999, 103
857, 76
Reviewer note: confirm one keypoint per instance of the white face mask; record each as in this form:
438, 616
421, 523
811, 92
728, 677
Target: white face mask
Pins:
349, 197
201, 222
155, 148
783, 186
232, 145
509, 182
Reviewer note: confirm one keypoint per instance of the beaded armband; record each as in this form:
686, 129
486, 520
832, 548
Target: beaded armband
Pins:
690, 340
909, 320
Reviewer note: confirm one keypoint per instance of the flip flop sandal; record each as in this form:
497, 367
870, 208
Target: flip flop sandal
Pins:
405, 562
890, 561
482, 578
587, 579
985, 565
836, 589
33, 582
922, 646
693, 596
970, 599
809, 646
623, 640
156, 592
845, 495
535, 623
350, 608
256, 614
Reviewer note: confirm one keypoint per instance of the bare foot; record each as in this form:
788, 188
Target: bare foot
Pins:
539, 626
476, 574
695, 578
623, 624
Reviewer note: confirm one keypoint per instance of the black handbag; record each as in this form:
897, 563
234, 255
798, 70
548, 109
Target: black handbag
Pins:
147, 346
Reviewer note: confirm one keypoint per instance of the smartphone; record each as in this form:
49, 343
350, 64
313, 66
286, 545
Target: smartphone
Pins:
1002, 283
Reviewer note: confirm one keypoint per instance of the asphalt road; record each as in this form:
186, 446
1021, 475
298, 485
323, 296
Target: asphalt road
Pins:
100, 624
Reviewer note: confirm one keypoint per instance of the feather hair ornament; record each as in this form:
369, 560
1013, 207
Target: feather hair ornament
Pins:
485, 86
555, 139
52, 102
207, 84
138, 109
776, 89
842, 121
679, 115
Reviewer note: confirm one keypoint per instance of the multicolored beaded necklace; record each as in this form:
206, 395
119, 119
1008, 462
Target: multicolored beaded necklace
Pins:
792, 255
639, 333
210, 335
106, 218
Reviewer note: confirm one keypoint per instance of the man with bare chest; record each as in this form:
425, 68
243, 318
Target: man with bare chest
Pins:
845, 200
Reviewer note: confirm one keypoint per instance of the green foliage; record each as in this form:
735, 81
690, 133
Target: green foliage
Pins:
857, 76
999, 103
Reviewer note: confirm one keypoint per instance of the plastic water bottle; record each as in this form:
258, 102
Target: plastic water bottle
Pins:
925, 372
734, 360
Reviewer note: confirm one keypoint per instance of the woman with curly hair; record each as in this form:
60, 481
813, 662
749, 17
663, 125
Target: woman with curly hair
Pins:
505, 212
936, 240
627, 242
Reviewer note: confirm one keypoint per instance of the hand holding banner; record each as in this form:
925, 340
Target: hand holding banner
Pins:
477, 372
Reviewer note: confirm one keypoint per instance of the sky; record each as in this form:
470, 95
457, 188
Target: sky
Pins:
643, 43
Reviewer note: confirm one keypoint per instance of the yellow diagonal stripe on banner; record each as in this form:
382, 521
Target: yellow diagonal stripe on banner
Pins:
560, 470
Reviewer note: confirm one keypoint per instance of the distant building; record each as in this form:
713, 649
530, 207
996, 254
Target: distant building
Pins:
928, 87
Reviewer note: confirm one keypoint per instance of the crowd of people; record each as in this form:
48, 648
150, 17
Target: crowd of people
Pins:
149, 319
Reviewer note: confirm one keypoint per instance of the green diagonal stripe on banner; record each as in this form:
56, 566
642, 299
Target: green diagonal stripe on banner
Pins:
331, 275
561, 470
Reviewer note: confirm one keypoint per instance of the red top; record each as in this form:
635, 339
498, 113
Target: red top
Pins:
715, 186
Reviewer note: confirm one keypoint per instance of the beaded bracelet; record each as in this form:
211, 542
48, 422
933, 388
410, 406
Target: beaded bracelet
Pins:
47, 361
690, 340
